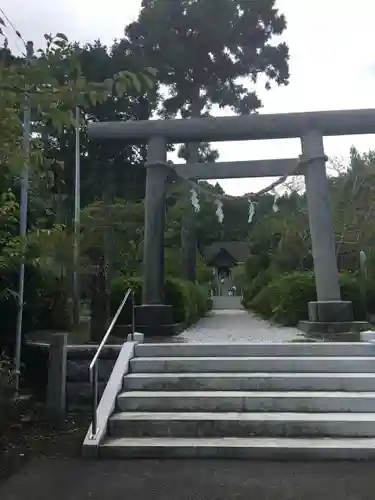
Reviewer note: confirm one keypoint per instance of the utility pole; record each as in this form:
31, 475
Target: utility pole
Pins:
77, 224
23, 227
363, 280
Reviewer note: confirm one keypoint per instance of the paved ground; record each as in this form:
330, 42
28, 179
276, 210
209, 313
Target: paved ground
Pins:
190, 480
194, 479
237, 326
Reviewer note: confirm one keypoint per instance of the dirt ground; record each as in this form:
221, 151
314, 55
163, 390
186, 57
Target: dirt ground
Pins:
26, 434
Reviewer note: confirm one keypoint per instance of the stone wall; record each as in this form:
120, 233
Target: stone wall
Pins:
77, 370
78, 382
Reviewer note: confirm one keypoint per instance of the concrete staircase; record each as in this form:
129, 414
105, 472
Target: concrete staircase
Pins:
226, 303
256, 401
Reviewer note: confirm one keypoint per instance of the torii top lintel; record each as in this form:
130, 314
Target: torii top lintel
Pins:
237, 128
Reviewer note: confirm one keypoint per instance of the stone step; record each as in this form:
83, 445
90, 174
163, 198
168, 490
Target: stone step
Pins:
237, 401
252, 364
191, 424
241, 448
227, 303
256, 349
250, 381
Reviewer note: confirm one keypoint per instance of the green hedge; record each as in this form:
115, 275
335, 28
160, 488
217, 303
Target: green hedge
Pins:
285, 299
260, 281
189, 301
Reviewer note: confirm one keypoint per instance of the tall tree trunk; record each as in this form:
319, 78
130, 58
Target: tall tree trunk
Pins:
188, 227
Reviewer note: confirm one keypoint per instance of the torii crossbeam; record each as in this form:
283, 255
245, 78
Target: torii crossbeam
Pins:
310, 127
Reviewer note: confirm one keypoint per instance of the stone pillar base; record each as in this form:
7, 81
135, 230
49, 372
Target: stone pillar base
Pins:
154, 320
331, 311
333, 321
332, 328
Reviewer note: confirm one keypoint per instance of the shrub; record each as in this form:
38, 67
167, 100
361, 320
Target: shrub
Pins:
370, 296
285, 299
189, 301
45, 304
118, 289
255, 265
261, 280
173, 265
203, 272
52, 309
195, 300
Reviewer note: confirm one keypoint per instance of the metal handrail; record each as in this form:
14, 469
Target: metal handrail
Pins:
93, 368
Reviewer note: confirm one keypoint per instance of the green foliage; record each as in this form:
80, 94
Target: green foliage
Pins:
52, 83
204, 273
239, 276
200, 59
189, 302
279, 278
109, 170
172, 262
285, 299
45, 303
118, 288
256, 264
257, 284
201, 64
52, 308
173, 266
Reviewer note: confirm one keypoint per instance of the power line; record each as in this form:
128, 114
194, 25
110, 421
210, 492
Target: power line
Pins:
17, 32
12, 25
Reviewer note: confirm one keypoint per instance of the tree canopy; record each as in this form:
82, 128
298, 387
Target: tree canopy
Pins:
203, 63
203, 47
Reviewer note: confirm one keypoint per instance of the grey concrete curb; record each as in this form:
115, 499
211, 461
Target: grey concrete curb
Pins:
90, 448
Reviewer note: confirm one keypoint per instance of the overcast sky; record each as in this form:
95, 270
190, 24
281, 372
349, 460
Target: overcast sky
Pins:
332, 62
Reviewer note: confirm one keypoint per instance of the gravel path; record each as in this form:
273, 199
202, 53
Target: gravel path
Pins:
237, 326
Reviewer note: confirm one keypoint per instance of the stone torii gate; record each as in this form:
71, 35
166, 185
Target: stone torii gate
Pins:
329, 313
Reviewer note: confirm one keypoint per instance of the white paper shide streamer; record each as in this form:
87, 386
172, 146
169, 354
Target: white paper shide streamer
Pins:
194, 199
219, 211
251, 211
275, 206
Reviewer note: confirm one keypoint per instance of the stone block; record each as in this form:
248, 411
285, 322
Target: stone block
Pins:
153, 314
368, 336
313, 312
333, 327
78, 370
57, 369
79, 395
160, 331
155, 320
136, 337
87, 352
331, 311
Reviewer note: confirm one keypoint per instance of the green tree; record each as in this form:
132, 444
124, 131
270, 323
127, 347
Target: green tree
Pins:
203, 50
352, 193
51, 84
109, 170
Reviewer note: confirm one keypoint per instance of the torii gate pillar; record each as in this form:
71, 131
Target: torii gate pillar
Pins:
329, 314
329, 311
154, 317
